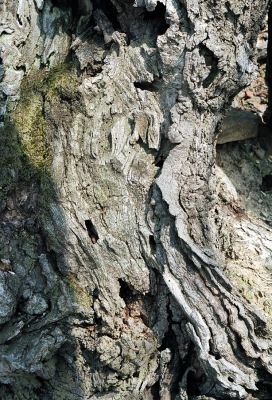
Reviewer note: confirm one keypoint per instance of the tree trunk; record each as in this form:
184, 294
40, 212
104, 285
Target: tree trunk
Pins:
115, 277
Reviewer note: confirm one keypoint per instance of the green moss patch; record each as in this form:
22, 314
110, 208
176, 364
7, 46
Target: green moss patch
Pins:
29, 117
31, 126
81, 295
25, 140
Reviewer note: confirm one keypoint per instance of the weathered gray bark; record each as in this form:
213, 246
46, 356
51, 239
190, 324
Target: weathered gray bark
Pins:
113, 271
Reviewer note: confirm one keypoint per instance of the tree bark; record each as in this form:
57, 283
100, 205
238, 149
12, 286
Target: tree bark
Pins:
113, 275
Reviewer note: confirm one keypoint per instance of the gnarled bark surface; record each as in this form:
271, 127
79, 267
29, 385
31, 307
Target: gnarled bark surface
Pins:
114, 275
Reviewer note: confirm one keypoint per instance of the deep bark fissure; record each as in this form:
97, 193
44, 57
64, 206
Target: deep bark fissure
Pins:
158, 16
109, 10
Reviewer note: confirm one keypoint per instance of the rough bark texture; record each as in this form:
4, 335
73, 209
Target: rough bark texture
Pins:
117, 279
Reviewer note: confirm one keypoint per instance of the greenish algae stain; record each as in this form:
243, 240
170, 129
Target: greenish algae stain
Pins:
81, 295
26, 153
38, 88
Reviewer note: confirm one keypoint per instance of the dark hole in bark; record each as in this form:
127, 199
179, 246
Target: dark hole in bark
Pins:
176, 365
92, 359
212, 62
64, 4
165, 148
265, 385
92, 232
109, 10
97, 320
195, 377
143, 85
126, 293
160, 162
52, 257
192, 384
21, 68
78, 7
159, 16
61, 3
230, 379
231, 16
259, 384
266, 185
155, 390
169, 340
152, 244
